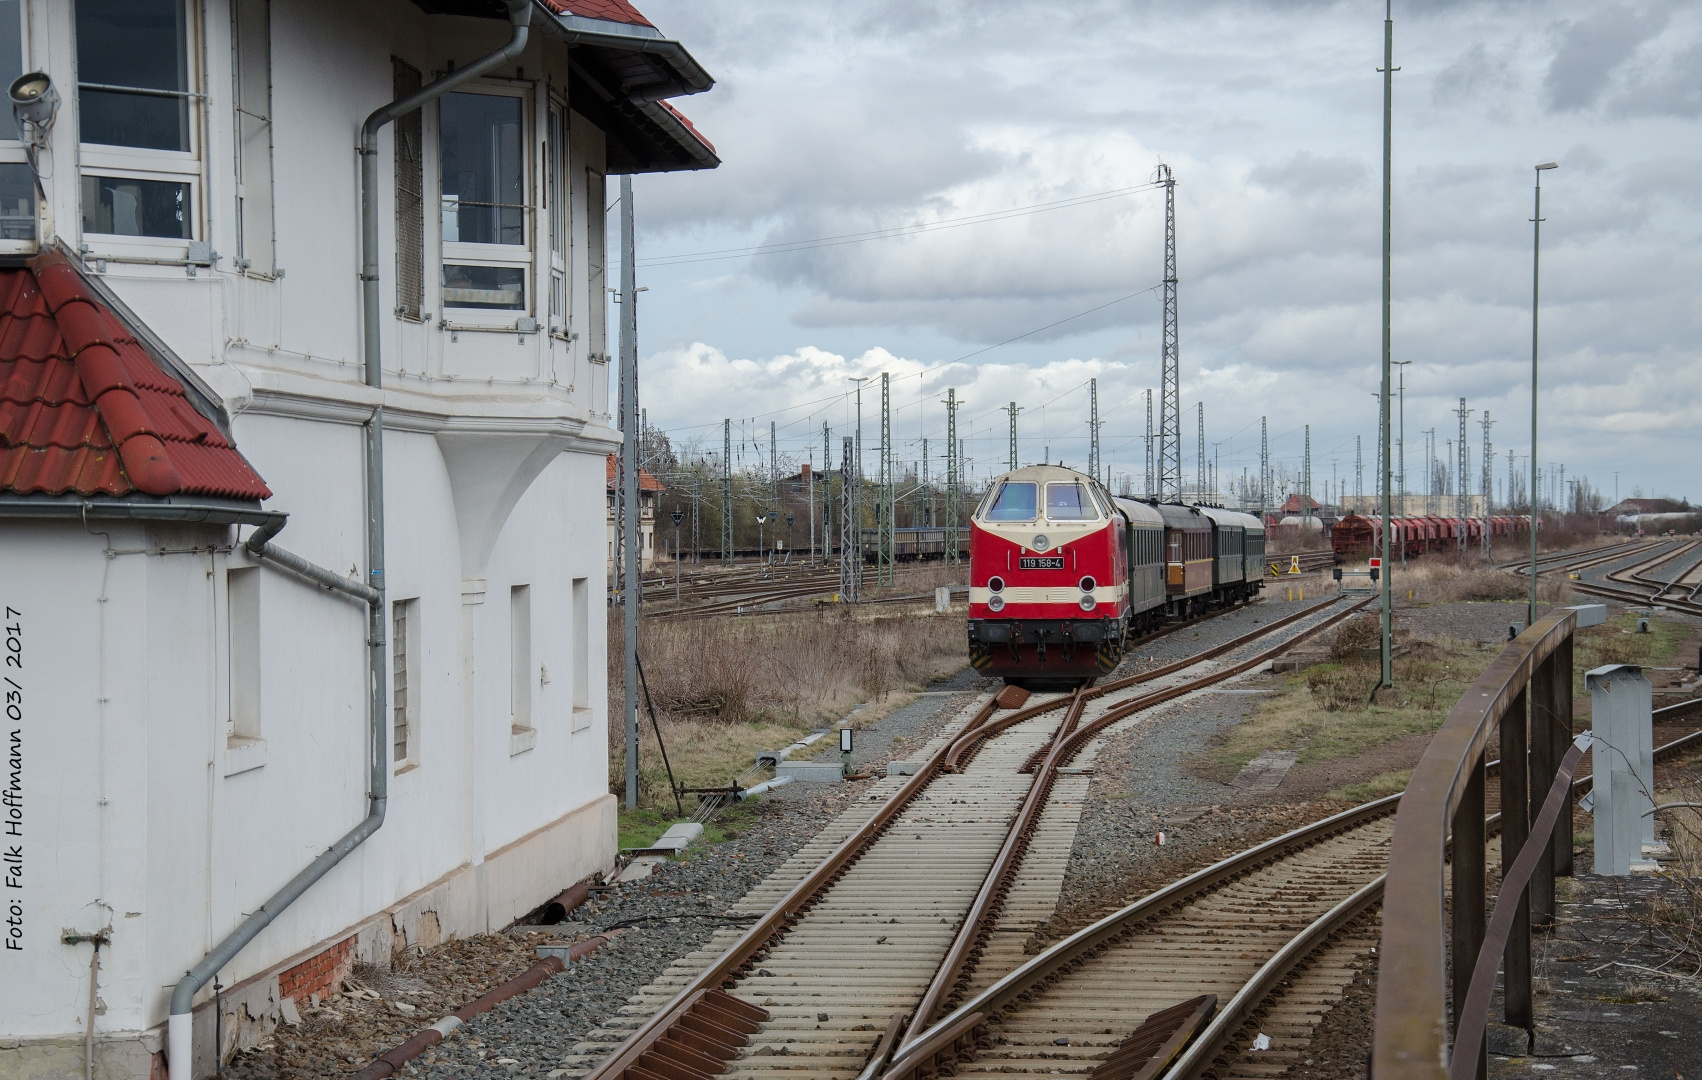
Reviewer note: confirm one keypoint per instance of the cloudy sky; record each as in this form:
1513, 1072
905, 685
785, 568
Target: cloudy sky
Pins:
976, 176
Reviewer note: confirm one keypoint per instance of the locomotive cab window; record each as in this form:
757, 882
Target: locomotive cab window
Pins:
1015, 502
1069, 502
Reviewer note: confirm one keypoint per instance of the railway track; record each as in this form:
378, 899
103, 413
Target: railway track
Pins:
1634, 584
898, 906
1258, 942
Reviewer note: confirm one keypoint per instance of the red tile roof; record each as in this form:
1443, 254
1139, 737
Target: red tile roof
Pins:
85, 410
689, 126
646, 482
612, 10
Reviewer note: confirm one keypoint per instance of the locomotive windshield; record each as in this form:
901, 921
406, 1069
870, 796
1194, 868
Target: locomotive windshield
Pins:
1015, 502
1069, 501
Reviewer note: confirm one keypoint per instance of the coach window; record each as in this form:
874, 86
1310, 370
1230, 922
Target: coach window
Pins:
17, 187
1015, 502
485, 213
138, 110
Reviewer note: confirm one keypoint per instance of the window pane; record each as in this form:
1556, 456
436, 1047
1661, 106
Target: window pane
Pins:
127, 207
1016, 502
495, 287
484, 176
140, 43
1068, 502
17, 202
11, 58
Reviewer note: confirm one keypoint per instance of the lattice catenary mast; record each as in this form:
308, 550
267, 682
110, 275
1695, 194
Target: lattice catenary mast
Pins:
953, 467
884, 535
1150, 490
727, 491
1093, 428
1170, 401
850, 540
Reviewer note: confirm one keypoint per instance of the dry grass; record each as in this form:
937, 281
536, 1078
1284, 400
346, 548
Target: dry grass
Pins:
1326, 712
1444, 579
1375, 788
725, 688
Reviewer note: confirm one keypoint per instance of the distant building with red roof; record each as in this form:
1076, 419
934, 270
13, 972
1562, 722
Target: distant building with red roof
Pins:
649, 489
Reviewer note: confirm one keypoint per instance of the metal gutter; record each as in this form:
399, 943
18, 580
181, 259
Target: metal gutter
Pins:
192, 511
180, 1027
690, 77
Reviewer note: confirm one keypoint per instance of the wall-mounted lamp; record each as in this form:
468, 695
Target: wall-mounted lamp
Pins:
34, 102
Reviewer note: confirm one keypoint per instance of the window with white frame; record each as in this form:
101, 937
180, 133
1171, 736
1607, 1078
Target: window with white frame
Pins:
555, 202
242, 629
251, 74
139, 113
520, 657
483, 150
17, 186
404, 681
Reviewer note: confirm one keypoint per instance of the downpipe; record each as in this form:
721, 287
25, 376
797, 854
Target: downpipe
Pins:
180, 1043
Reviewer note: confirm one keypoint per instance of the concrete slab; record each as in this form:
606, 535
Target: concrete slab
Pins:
812, 772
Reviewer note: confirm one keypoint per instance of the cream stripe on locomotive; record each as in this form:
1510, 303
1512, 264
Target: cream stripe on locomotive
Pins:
1063, 594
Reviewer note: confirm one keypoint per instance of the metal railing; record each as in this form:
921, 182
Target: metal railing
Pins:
1525, 697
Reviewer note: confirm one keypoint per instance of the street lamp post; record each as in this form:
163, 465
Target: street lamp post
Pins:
1536, 264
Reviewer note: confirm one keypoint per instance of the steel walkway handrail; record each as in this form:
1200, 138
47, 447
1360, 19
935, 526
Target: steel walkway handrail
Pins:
1444, 799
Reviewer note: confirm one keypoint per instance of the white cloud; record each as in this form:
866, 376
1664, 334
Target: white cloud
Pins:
835, 119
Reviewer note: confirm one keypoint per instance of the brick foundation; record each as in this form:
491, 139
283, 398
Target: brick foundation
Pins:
320, 974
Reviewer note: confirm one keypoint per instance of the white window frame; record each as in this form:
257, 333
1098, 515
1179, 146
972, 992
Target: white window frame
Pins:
507, 256
12, 150
141, 163
249, 171
405, 691
558, 197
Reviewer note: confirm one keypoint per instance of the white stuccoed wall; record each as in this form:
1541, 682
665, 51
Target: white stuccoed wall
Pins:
494, 477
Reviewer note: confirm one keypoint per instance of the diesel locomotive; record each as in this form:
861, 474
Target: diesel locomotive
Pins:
1063, 575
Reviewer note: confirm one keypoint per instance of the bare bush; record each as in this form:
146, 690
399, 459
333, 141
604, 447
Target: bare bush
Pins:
1364, 632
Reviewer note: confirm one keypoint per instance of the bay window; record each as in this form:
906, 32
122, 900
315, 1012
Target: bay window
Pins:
139, 118
484, 186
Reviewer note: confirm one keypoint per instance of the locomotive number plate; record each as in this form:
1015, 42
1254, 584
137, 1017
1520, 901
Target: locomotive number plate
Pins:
1042, 562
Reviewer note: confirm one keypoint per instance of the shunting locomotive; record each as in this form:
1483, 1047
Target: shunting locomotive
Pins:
1063, 575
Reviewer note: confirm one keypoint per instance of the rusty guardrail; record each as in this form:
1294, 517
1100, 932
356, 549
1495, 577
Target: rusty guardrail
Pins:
1526, 696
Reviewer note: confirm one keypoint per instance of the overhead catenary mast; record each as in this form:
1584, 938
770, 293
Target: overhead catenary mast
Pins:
727, 491
1093, 428
1488, 478
1264, 467
1200, 453
1462, 500
850, 528
885, 537
954, 467
1150, 489
1170, 401
1013, 410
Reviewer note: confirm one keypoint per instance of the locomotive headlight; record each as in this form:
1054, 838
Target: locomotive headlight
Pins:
1088, 584
1088, 603
996, 584
995, 603
1040, 543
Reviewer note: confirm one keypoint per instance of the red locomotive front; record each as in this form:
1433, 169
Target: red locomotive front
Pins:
1048, 578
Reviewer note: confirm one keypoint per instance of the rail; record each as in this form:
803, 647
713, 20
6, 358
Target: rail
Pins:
1526, 696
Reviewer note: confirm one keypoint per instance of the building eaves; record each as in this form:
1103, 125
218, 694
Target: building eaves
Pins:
87, 412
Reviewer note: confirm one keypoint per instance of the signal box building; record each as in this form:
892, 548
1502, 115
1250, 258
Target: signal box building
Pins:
302, 424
